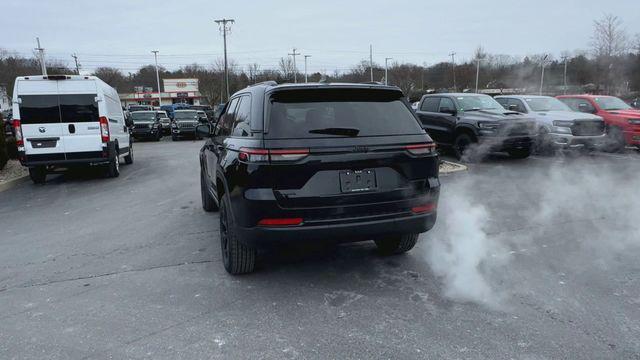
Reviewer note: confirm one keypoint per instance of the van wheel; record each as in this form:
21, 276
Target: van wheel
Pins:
113, 169
128, 159
398, 244
208, 203
38, 174
237, 257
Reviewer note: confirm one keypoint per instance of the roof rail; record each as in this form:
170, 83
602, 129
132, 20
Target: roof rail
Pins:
373, 83
268, 83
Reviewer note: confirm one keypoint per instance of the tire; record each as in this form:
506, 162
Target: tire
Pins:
461, 145
519, 153
615, 140
237, 257
174, 138
544, 144
113, 169
157, 138
398, 244
208, 203
38, 174
128, 159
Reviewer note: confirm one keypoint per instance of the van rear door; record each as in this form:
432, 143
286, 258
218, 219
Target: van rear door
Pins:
80, 122
41, 128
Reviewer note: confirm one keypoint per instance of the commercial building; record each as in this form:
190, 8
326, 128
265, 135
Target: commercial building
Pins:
175, 91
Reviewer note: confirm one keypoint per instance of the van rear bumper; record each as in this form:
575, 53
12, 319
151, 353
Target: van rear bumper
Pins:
72, 158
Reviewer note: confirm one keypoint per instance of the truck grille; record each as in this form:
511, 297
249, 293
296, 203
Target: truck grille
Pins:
588, 128
186, 125
141, 126
521, 129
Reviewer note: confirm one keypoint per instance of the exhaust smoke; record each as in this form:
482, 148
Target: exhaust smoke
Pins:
585, 206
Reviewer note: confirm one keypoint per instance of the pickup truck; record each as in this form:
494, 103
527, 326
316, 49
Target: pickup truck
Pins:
475, 124
622, 121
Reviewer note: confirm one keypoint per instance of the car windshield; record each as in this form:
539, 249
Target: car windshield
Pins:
478, 102
339, 113
546, 104
186, 115
611, 103
143, 116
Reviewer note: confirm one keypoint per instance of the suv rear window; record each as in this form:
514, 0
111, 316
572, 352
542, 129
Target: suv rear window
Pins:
313, 113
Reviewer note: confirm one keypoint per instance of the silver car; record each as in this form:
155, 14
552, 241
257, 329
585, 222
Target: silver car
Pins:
165, 121
559, 126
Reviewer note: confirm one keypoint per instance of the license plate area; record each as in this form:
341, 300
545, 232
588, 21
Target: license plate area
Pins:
357, 180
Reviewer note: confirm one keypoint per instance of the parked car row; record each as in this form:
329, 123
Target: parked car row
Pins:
521, 124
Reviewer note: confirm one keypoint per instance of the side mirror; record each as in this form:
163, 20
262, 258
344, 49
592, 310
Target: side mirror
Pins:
585, 108
128, 122
513, 107
446, 110
203, 130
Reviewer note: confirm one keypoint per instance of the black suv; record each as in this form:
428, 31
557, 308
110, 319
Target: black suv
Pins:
146, 125
317, 162
462, 120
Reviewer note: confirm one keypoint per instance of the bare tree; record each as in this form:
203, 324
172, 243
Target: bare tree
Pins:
286, 68
254, 71
609, 37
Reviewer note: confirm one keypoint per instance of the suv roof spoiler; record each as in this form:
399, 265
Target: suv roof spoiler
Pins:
266, 83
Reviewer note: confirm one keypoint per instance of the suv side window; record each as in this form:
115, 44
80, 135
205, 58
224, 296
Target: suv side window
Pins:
226, 121
241, 124
446, 103
430, 104
519, 106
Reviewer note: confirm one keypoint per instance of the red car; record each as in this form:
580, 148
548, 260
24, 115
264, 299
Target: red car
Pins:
623, 121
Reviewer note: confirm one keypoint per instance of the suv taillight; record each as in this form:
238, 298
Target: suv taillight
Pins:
104, 129
17, 128
272, 155
421, 149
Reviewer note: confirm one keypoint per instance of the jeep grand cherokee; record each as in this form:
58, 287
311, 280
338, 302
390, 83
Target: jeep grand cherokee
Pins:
318, 162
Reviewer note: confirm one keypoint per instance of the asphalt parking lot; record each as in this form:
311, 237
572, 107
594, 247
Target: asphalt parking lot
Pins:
530, 259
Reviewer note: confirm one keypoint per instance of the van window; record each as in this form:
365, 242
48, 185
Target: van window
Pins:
79, 108
39, 109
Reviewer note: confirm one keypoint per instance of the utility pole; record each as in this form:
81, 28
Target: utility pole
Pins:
295, 69
41, 56
564, 89
75, 58
453, 62
155, 55
371, 61
224, 28
478, 72
305, 68
386, 70
543, 63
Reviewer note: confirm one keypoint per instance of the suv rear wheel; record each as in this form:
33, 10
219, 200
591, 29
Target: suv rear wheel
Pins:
397, 244
38, 174
237, 257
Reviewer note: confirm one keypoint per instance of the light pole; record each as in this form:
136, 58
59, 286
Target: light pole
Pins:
40, 50
223, 26
155, 55
295, 68
305, 68
386, 70
453, 63
543, 63
478, 60
564, 89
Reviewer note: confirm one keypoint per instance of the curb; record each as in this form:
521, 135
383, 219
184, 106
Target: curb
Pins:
13, 182
453, 167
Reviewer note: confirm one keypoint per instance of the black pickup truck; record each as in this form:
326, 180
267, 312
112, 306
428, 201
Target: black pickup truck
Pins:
475, 124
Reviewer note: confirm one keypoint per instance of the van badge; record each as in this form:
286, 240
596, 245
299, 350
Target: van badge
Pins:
42, 129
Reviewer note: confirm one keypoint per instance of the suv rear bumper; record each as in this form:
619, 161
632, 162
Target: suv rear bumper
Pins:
340, 232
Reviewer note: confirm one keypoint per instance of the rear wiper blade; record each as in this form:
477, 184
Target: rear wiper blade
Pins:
336, 131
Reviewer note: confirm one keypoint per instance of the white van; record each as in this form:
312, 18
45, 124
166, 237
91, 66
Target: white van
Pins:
68, 120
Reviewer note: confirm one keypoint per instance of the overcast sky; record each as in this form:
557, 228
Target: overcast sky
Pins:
337, 34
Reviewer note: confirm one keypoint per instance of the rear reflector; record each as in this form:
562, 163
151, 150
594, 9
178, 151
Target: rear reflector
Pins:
427, 208
280, 222
17, 128
421, 149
